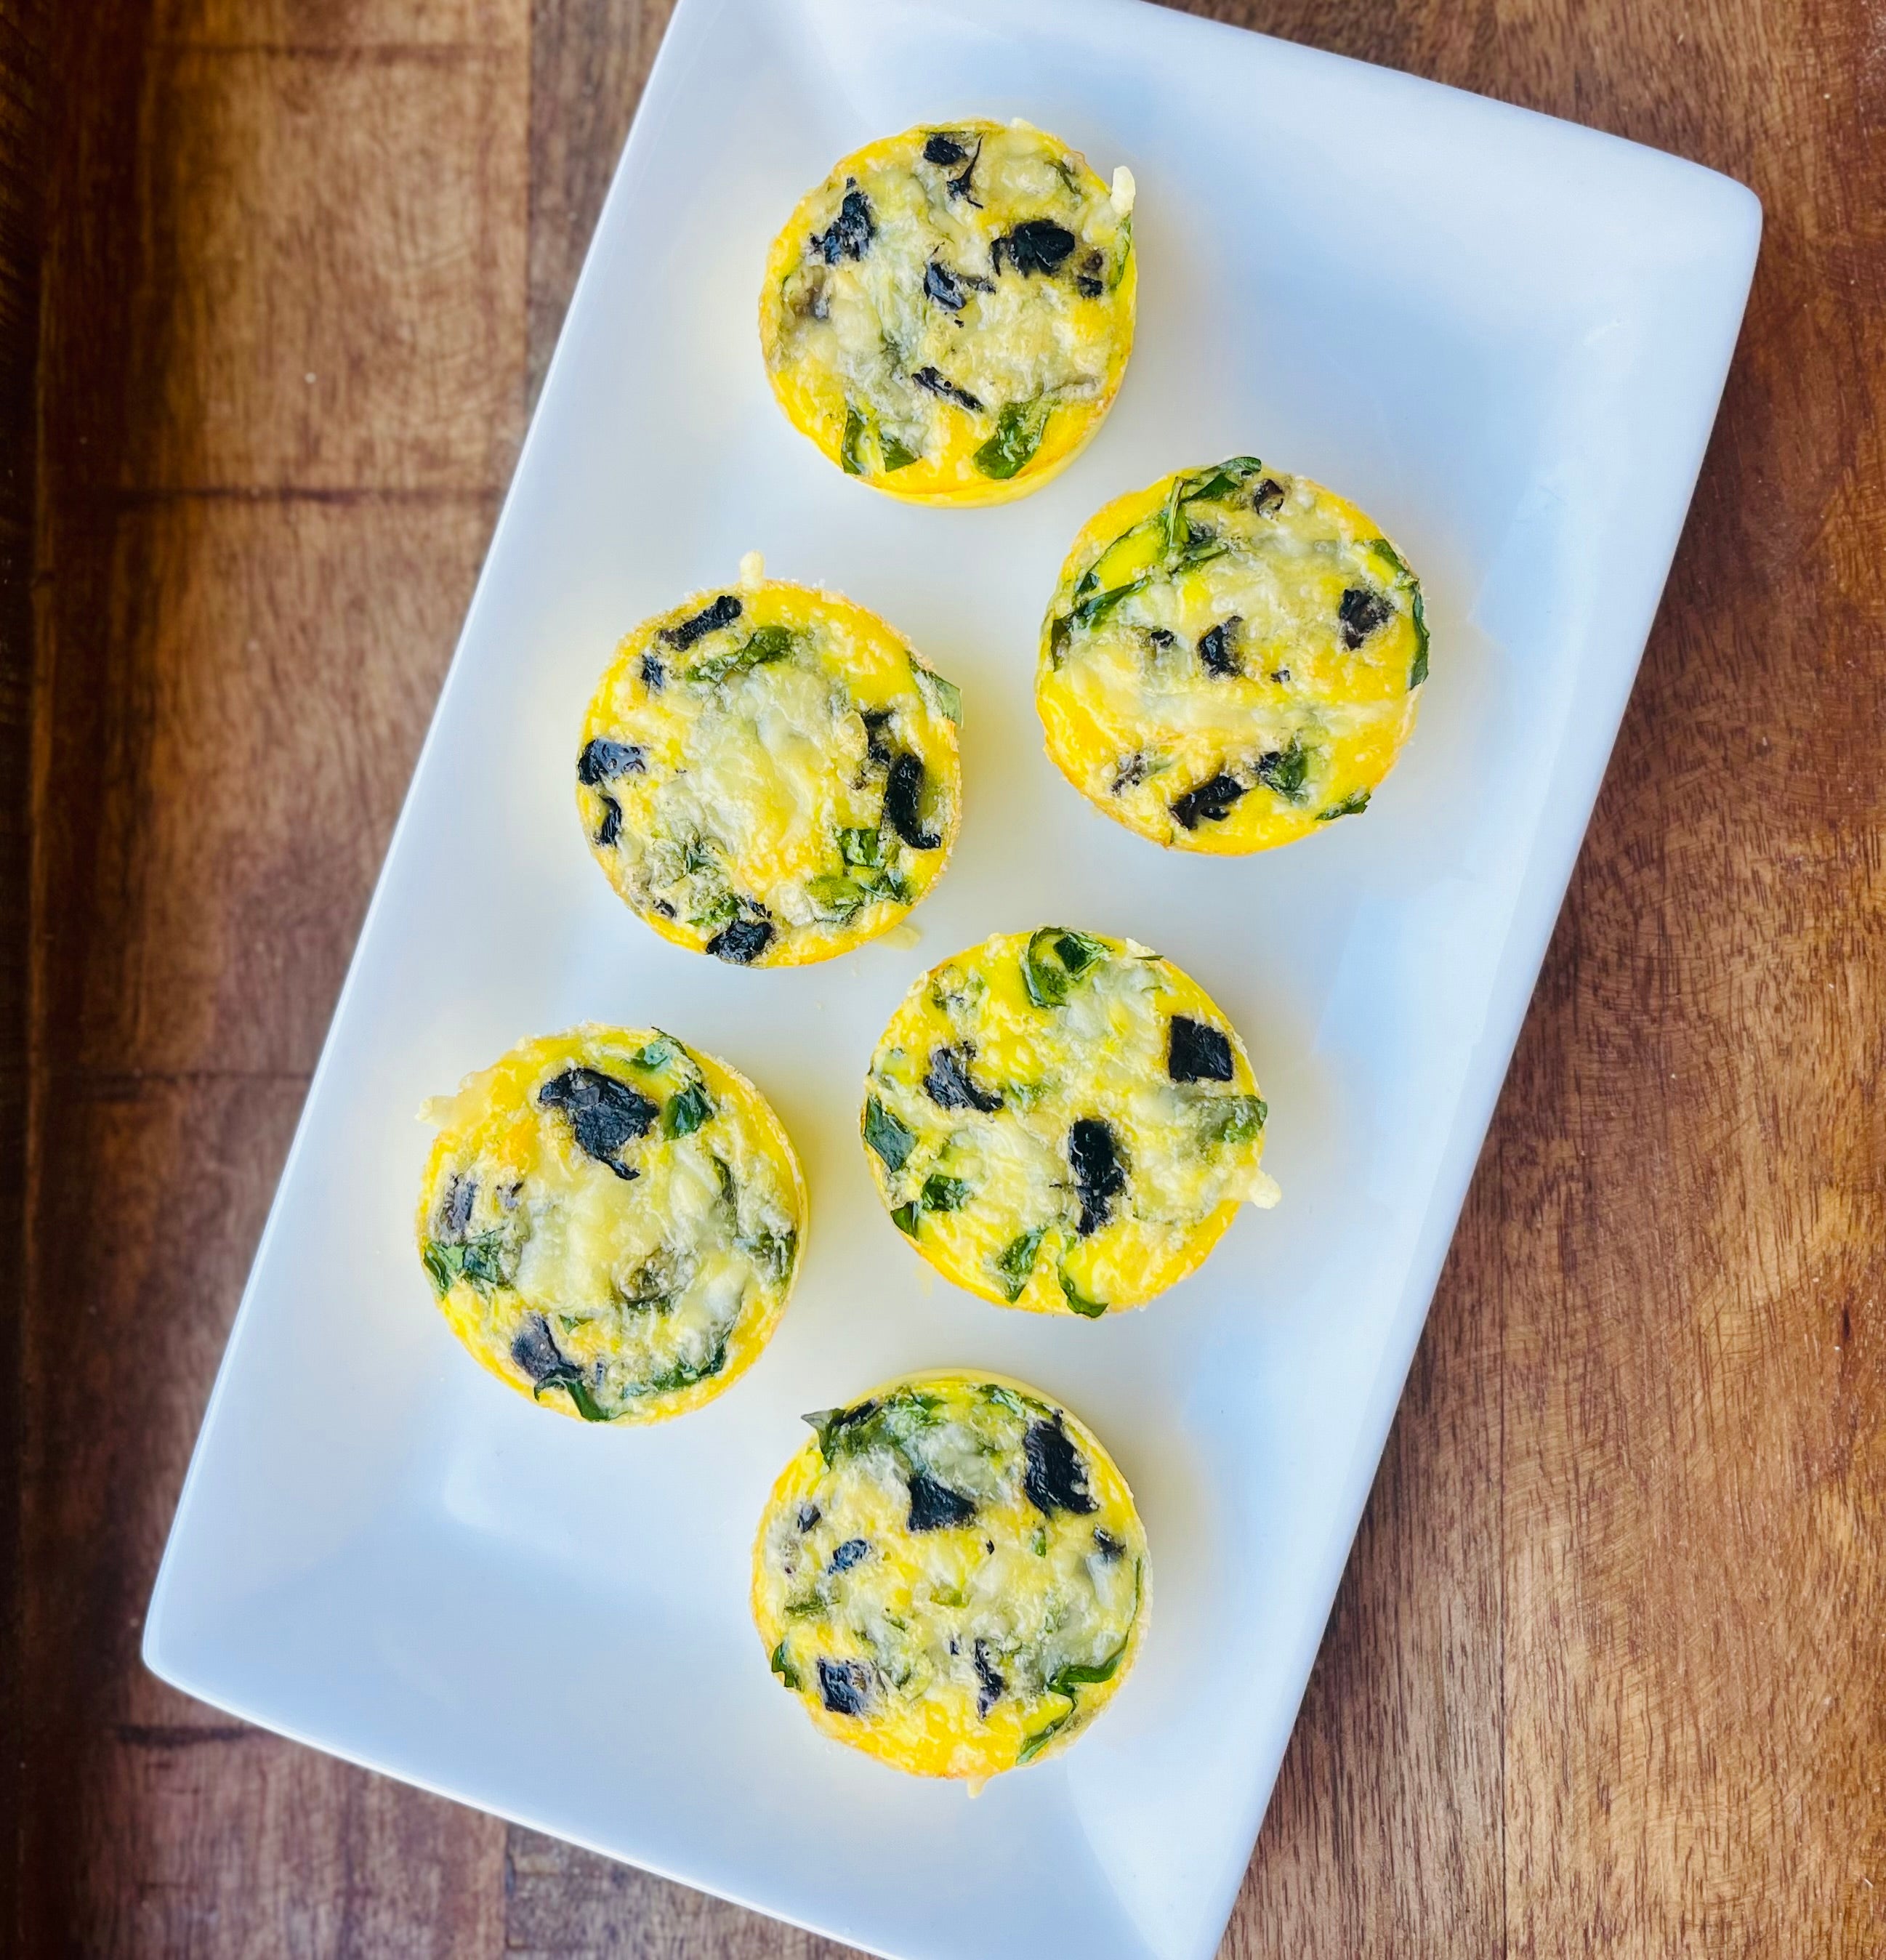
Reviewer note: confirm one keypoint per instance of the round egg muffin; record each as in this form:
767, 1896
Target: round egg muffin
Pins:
951, 1575
949, 315
1232, 658
769, 774
1063, 1122
612, 1222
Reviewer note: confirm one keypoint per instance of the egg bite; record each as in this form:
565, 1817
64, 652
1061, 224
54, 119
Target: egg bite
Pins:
612, 1222
768, 773
949, 315
1233, 658
951, 1575
1063, 1122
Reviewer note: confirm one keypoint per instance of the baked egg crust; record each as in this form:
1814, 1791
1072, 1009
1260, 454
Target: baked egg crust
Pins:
1233, 657
612, 1222
951, 1575
1063, 1122
949, 315
768, 773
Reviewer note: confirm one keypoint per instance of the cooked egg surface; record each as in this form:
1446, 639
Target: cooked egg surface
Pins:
612, 1222
1063, 1122
951, 1575
769, 774
949, 315
1232, 659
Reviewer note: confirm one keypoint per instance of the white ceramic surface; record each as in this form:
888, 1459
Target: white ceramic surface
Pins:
1504, 337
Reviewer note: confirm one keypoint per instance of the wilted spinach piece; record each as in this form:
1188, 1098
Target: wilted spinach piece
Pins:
741, 942
1215, 485
851, 449
1210, 802
1015, 1261
840, 898
1196, 1052
948, 1084
907, 1217
844, 1686
1386, 552
991, 1686
1232, 1119
683, 1373
848, 1555
1019, 427
1055, 1478
1218, 648
686, 1112
1067, 1682
933, 1506
772, 1251
935, 382
605, 1114
761, 648
886, 1135
1286, 770
609, 831
1039, 245
1352, 805
781, 1664
839, 1430
723, 612
1362, 612
1055, 960
941, 697
657, 1054
850, 233
894, 453
487, 1261
1417, 670
942, 1194
1077, 1301
602, 760
1093, 1154
903, 799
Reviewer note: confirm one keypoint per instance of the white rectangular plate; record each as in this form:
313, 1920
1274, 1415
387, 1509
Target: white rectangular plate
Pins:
1505, 337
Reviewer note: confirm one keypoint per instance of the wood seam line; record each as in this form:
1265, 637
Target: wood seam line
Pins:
376, 54
421, 495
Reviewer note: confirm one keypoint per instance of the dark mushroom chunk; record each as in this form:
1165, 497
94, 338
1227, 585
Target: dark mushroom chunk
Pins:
455, 1214
939, 384
991, 1686
1268, 497
1196, 1052
849, 235
848, 1555
1161, 637
1087, 281
1210, 802
1361, 613
534, 1349
1099, 1177
1218, 648
943, 286
654, 675
709, 619
1056, 1478
1039, 245
876, 749
948, 1084
809, 1515
943, 151
605, 1114
903, 797
1129, 772
844, 1686
662, 906
610, 828
741, 942
933, 1505
1109, 1547
602, 760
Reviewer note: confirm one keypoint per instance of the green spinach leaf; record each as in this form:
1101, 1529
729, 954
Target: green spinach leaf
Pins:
1056, 959
687, 1111
1352, 805
1018, 429
1015, 1261
886, 1135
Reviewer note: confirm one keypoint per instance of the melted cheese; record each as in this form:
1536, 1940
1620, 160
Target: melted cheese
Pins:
612, 1222
1062, 1122
952, 1576
1233, 657
949, 315
768, 773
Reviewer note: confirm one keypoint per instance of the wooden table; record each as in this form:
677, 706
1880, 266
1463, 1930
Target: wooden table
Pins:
1608, 1670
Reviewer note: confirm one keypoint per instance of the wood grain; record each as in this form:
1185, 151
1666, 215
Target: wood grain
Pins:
1603, 1675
